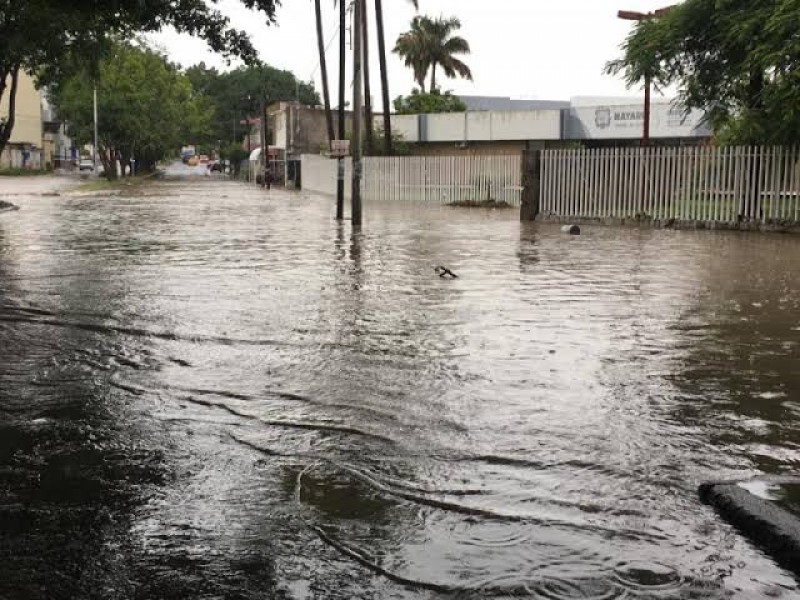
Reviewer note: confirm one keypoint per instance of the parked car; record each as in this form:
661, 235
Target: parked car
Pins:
86, 164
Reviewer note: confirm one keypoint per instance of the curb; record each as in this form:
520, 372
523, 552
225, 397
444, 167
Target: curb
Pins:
774, 529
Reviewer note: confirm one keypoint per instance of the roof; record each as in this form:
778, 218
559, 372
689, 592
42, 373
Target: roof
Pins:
503, 103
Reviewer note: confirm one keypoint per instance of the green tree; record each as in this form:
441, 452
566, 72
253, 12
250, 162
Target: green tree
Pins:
38, 36
147, 107
431, 43
422, 103
235, 154
737, 60
238, 93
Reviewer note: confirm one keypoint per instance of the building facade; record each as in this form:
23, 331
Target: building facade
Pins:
24, 148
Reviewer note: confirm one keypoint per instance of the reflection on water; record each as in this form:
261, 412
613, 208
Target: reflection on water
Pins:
208, 392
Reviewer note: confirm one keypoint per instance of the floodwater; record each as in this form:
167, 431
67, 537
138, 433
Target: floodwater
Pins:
209, 391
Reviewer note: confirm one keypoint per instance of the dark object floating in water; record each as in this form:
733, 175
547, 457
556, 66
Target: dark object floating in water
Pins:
767, 511
4, 206
445, 272
571, 229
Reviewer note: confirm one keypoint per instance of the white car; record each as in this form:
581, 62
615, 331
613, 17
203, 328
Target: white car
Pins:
86, 164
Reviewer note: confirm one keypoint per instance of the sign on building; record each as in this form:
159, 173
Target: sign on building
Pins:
602, 122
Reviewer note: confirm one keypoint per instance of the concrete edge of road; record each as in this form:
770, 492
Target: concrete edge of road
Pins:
789, 227
771, 527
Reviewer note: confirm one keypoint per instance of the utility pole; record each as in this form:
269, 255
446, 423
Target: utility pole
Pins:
342, 88
264, 149
355, 199
249, 150
94, 152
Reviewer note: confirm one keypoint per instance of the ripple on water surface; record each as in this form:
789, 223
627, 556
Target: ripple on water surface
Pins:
329, 418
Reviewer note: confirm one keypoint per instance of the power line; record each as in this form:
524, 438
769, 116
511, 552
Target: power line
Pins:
327, 47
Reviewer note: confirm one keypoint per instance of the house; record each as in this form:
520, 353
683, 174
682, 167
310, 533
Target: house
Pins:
292, 130
24, 148
58, 149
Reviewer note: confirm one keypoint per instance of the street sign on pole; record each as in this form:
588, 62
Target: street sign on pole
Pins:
340, 148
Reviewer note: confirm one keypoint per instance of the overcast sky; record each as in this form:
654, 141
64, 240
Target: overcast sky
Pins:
543, 49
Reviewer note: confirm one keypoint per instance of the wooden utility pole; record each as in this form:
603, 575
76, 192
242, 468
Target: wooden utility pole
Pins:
342, 92
355, 199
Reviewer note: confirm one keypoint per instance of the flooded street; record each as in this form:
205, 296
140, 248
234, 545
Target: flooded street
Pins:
208, 391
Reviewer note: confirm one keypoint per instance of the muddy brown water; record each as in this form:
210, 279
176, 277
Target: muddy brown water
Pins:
209, 392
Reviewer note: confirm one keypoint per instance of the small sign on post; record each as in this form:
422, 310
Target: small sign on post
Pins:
340, 148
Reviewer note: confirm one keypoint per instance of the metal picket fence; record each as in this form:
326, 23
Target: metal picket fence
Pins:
426, 179
702, 183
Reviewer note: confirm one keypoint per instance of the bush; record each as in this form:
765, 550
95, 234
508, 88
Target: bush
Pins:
425, 103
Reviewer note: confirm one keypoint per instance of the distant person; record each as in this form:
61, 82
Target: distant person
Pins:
268, 177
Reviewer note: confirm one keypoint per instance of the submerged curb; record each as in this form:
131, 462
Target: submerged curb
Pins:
773, 528
649, 223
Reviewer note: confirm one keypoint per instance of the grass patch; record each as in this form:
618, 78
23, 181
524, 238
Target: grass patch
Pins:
117, 185
16, 172
480, 204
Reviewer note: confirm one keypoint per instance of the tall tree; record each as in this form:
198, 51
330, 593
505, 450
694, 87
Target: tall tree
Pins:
37, 36
368, 124
444, 48
412, 46
387, 114
323, 67
238, 93
148, 106
738, 60
431, 43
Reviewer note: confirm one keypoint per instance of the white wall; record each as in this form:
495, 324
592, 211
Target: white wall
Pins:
526, 125
481, 126
406, 126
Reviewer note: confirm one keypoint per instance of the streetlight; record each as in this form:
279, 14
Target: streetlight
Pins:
632, 15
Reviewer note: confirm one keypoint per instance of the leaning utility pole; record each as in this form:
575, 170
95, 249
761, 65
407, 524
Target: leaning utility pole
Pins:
342, 92
355, 199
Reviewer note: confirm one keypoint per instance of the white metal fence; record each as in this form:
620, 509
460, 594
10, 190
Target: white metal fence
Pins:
430, 179
682, 183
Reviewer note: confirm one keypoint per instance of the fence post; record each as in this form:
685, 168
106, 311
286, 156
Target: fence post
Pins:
531, 179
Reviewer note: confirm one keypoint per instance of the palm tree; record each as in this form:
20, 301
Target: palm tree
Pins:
323, 67
413, 47
444, 46
431, 43
387, 116
368, 125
